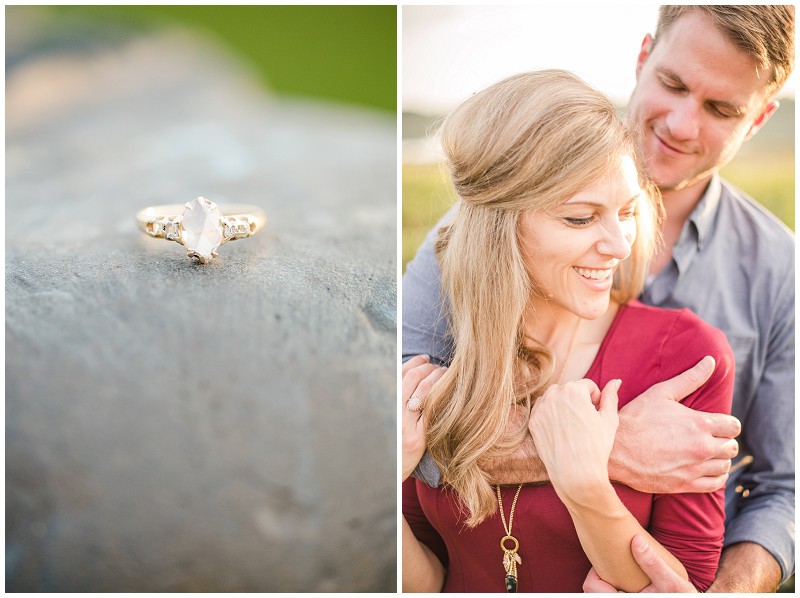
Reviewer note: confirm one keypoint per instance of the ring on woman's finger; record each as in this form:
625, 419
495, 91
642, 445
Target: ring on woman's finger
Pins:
414, 403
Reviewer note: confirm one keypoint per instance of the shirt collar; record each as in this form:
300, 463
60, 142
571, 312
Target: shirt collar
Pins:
703, 214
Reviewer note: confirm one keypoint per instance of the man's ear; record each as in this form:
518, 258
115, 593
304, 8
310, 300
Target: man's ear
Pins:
762, 118
644, 52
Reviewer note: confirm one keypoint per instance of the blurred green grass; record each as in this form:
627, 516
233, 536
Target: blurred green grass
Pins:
342, 53
427, 193
769, 179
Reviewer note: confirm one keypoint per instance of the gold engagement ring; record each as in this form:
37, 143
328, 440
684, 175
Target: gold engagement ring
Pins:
200, 225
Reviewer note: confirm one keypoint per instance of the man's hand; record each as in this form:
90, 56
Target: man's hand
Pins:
662, 577
663, 447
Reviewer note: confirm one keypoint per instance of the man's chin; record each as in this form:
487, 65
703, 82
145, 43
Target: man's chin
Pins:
674, 184
670, 181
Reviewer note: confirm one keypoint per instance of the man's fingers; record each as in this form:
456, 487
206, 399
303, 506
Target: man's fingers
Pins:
727, 448
723, 426
716, 467
682, 385
593, 584
707, 484
663, 578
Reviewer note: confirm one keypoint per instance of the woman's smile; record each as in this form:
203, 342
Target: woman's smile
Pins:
598, 279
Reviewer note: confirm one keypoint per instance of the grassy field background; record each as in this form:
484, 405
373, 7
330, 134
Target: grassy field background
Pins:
764, 169
342, 53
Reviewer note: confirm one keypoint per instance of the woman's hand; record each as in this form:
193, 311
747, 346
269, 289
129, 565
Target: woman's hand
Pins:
418, 377
573, 426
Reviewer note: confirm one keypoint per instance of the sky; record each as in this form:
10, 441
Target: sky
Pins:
450, 52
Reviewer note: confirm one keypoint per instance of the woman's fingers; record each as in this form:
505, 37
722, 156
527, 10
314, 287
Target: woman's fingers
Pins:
585, 385
414, 362
416, 399
416, 385
414, 376
609, 399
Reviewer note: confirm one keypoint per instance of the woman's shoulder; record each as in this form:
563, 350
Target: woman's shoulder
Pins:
673, 340
680, 327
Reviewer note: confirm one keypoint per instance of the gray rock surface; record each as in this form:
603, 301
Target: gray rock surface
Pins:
178, 427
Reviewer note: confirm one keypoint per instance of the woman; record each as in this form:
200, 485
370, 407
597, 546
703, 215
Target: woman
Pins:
540, 271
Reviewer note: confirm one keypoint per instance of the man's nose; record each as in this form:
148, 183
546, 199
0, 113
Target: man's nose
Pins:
683, 121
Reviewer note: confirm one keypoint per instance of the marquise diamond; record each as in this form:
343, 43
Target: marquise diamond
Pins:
201, 225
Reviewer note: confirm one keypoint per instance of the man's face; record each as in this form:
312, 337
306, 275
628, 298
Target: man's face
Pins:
697, 99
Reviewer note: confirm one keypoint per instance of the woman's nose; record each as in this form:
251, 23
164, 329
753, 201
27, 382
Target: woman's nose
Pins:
617, 239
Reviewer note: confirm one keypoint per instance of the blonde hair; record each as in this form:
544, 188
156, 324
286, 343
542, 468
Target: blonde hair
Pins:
765, 33
528, 142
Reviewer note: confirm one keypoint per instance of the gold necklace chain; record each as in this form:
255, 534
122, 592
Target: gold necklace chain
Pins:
510, 556
507, 528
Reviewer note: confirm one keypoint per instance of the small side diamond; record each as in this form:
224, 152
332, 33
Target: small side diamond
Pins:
236, 228
156, 228
172, 230
230, 229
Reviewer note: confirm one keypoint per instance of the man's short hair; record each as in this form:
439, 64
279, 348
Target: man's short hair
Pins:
766, 33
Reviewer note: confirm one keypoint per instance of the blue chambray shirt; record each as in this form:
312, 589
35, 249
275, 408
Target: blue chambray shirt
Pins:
733, 265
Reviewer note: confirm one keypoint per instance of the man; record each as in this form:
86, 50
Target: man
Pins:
705, 84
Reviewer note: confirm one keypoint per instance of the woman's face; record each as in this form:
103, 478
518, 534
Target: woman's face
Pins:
572, 250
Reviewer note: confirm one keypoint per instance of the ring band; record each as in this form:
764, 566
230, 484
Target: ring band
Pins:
200, 225
414, 404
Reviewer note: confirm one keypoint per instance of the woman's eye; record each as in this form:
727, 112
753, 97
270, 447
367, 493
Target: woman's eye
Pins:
628, 214
579, 221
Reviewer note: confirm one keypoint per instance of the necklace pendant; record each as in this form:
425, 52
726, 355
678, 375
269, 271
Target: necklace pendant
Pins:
510, 561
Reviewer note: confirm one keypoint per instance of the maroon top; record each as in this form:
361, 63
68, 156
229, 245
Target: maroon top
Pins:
644, 345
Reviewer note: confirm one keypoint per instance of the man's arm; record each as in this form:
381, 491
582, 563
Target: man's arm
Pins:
694, 449
425, 328
746, 567
523, 464
763, 510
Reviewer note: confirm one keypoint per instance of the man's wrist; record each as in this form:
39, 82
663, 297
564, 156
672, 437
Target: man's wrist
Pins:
522, 466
